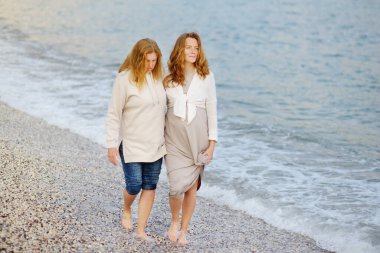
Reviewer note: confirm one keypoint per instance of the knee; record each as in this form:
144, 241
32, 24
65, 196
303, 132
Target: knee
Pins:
191, 192
133, 189
149, 186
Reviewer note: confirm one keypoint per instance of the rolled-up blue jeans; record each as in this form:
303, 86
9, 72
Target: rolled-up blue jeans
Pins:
140, 175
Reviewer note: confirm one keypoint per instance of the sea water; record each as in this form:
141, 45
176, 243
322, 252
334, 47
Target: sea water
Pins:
298, 84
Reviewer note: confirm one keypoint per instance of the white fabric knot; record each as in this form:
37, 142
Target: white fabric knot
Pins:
181, 106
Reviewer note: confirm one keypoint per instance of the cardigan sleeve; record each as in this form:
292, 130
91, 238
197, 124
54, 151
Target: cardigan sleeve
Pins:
211, 109
115, 112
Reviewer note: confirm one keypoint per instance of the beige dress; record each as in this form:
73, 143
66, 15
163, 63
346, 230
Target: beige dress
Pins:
184, 142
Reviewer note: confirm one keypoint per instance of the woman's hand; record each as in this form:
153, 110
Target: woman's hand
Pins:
210, 150
112, 155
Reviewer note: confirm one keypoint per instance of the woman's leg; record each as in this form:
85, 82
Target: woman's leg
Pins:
175, 206
150, 176
145, 207
188, 207
126, 219
133, 182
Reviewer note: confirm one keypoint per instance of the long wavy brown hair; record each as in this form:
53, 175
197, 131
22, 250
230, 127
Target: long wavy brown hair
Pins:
176, 62
136, 61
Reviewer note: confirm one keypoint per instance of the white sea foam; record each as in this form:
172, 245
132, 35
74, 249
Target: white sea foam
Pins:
328, 235
323, 203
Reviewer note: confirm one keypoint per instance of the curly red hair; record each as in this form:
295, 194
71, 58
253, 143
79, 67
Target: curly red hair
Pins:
176, 63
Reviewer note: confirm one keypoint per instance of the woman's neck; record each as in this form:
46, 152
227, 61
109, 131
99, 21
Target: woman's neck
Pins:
189, 67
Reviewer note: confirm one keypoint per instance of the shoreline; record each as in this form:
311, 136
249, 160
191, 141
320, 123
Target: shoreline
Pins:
59, 193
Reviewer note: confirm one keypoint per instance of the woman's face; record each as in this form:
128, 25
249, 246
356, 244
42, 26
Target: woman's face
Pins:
150, 62
191, 50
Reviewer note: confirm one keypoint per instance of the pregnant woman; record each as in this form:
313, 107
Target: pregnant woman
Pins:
190, 128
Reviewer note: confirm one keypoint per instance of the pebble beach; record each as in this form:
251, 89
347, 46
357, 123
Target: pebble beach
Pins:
60, 194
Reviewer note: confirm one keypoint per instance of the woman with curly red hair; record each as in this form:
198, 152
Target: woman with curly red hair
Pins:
190, 128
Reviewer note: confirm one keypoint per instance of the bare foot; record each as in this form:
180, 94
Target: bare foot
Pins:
126, 220
182, 239
173, 232
143, 236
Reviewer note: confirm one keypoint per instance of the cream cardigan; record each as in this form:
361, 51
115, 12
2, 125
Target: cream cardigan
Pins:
137, 117
201, 93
